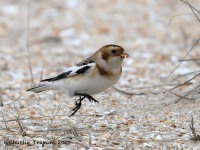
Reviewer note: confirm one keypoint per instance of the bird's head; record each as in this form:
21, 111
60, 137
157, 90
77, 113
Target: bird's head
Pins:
110, 56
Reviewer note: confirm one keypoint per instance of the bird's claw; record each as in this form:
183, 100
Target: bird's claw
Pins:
90, 98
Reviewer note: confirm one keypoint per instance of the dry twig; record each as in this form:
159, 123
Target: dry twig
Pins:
73, 131
127, 93
186, 82
173, 17
194, 135
1, 102
27, 43
195, 43
4, 120
194, 59
19, 122
192, 8
184, 96
183, 75
181, 97
51, 120
186, 2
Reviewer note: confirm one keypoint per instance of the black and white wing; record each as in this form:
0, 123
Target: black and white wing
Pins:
73, 71
85, 62
47, 84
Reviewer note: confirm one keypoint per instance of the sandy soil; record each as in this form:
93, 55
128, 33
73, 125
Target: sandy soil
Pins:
61, 34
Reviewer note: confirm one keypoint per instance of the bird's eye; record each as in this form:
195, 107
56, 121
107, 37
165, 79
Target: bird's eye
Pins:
113, 51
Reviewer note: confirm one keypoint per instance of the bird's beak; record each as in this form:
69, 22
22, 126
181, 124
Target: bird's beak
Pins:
124, 55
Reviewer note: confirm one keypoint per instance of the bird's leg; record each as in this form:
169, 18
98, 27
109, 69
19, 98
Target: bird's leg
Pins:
78, 105
79, 101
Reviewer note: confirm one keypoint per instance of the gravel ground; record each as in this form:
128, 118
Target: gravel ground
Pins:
142, 115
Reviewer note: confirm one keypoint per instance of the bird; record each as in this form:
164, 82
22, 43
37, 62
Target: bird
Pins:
89, 77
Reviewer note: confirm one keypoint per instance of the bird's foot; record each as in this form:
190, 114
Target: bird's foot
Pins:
79, 101
89, 97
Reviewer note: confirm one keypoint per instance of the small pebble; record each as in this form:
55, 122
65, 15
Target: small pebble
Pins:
183, 131
146, 145
158, 137
132, 129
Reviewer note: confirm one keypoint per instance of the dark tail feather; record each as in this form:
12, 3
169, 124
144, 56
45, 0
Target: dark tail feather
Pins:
39, 88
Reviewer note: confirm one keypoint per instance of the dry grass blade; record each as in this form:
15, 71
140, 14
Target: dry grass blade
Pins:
51, 120
186, 2
196, 42
19, 122
192, 8
13, 102
32, 118
150, 87
73, 131
188, 60
90, 139
127, 93
61, 129
184, 96
186, 82
4, 120
1, 102
183, 75
195, 137
153, 86
173, 17
27, 43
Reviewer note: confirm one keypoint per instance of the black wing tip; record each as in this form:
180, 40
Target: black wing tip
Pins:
31, 90
50, 79
28, 90
61, 76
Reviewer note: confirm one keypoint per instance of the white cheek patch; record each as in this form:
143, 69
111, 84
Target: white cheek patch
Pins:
115, 61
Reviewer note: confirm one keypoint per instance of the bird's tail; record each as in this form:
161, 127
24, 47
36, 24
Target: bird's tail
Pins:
40, 88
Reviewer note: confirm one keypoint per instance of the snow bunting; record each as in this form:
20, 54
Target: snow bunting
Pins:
91, 76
